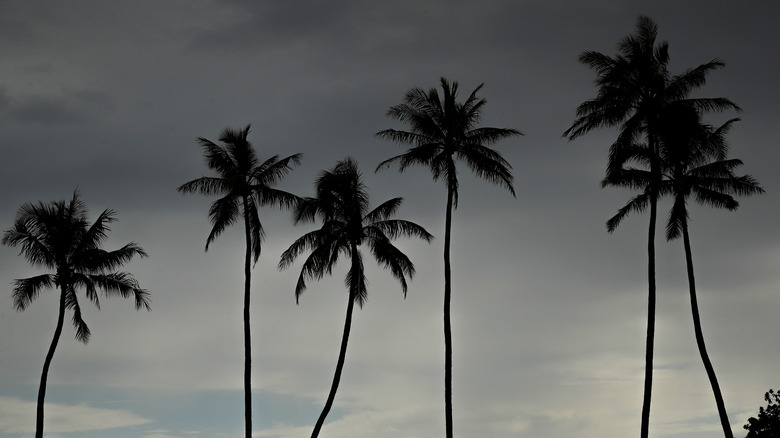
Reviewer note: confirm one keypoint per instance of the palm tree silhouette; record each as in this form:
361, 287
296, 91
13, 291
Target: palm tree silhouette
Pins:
695, 163
441, 131
58, 236
634, 87
244, 185
341, 203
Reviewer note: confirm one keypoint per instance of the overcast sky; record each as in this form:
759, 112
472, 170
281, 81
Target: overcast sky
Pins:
549, 310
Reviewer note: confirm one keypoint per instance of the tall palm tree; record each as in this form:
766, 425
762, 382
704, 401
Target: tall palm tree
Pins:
634, 87
695, 163
341, 203
244, 185
58, 236
441, 130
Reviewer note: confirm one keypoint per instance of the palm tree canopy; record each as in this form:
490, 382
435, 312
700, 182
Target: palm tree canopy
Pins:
634, 87
58, 236
243, 183
694, 162
342, 204
442, 129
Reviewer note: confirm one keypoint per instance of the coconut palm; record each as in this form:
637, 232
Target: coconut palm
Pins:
441, 131
634, 87
342, 203
244, 185
58, 236
695, 163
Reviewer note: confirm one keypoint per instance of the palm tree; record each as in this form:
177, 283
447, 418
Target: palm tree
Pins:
695, 163
58, 236
244, 185
341, 203
633, 89
442, 130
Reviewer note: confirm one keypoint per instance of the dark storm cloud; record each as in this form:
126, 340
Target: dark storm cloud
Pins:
76, 108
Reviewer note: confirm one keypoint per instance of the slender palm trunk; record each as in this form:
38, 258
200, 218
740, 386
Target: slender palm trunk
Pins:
247, 335
47, 364
447, 322
724, 418
650, 317
342, 355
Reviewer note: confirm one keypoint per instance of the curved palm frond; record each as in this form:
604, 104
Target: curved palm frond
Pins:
355, 280
222, 213
206, 186
637, 204
389, 256
71, 303
27, 289
384, 210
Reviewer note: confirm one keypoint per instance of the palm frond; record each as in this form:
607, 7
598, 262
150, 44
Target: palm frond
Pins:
90, 289
223, 213
715, 198
256, 231
636, 204
123, 285
487, 136
71, 303
629, 177
355, 280
678, 218
383, 211
394, 228
316, 265
31, 232
217, 158
27, 289
308, 241
390, 257
681, 85
97, 232
206, 186
273, 170
488, 164
99, 260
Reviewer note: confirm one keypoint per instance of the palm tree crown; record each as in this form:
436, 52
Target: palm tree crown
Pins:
695, 163
442, 130
58, 236
635, 86
244, 183
341, 203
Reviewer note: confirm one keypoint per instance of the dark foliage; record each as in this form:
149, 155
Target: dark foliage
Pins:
767, 423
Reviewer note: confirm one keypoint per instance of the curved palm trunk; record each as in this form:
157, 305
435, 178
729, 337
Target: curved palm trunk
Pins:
339, 365
447, 322
247, 334
47, 364
724, 418
645, 427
